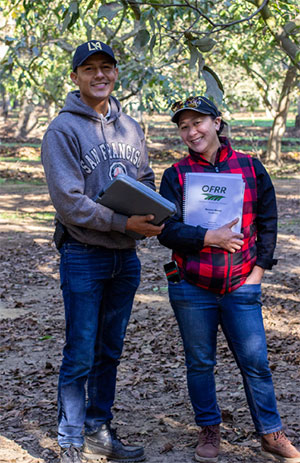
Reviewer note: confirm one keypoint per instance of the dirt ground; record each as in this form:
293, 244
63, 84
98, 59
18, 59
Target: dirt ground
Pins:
152, 406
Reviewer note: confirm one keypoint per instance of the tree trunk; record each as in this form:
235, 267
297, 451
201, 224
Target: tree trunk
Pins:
50, 108
279, 123
297, 120
5, 105
27, 119
141, 119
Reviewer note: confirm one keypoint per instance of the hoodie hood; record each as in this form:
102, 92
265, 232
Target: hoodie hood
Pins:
76, 106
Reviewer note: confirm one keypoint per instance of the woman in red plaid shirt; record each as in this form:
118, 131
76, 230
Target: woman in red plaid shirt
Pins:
220, 281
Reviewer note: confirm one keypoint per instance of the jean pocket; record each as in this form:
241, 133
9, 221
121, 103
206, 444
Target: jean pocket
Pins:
250, 294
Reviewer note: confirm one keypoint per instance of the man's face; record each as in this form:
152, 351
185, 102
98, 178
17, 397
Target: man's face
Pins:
95, 78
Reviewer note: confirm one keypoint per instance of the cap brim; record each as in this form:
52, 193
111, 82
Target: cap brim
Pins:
176, 114
92, 52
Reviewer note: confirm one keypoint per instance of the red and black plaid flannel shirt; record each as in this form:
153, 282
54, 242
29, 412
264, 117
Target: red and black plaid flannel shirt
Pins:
213, 268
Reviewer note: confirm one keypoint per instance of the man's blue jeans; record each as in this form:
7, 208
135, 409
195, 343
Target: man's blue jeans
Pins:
98, 287
199, 313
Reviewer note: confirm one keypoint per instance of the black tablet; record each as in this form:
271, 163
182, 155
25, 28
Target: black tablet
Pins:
127, 196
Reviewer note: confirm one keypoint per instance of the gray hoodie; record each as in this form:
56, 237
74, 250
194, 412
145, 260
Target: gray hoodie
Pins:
81, 152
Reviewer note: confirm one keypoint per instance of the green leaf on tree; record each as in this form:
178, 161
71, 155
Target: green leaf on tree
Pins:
110, 10
205, 44
141, 39
212, 85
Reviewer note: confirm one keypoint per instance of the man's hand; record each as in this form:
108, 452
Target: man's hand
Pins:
224, 237
141, 224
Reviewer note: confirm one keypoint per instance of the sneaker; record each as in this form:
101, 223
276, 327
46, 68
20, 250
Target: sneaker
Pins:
276, 446
208, 446
70, 455
105, 443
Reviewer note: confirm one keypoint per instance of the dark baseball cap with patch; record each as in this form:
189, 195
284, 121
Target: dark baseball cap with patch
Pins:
200, 104
89, 48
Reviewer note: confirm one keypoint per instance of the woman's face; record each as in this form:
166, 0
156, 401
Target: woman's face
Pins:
199, 132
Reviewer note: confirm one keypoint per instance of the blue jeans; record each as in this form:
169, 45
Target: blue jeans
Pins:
199, 313
98, 287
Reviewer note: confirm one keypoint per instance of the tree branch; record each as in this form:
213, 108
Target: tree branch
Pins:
32, 77
221, 26
135, 8
281, 37
120, 23
264, 90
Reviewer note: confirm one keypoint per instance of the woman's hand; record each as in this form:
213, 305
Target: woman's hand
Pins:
224, 237
255, 276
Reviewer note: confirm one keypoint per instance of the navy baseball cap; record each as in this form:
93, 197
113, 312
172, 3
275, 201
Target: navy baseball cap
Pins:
200, 104
89, 48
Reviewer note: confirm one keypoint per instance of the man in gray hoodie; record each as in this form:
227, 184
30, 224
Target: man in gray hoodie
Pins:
85, 146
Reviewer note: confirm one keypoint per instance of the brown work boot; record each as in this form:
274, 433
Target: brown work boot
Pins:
208, 446
277, 447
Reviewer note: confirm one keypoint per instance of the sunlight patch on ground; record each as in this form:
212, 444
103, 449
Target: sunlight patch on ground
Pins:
295, 239
287, 328
42, 241
24, 227
278, 291
150, 298
6, 312
11, 452
46, 270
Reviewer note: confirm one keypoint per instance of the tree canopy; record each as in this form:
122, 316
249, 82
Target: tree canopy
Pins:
163, 48
166, 50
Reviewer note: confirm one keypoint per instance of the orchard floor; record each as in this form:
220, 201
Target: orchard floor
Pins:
152, 406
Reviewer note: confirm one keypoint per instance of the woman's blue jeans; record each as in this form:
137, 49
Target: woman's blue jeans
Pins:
199, 313
98, 287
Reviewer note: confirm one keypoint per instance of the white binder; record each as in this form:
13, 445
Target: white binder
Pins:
213, 199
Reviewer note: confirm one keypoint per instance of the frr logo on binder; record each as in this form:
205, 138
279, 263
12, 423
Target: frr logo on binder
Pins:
210, 192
